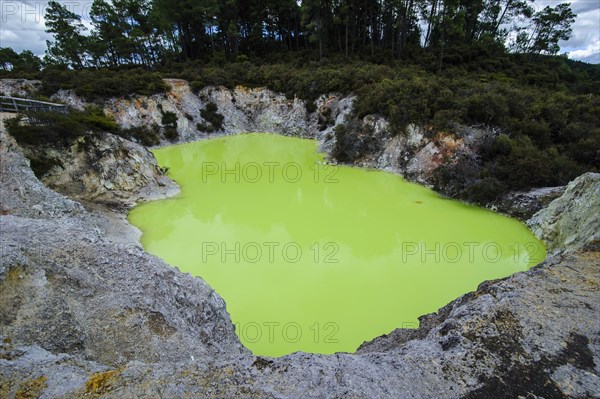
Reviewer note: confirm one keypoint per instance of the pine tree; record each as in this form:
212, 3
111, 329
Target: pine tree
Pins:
69, 45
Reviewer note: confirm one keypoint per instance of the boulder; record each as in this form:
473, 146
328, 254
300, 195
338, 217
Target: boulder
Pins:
571, 221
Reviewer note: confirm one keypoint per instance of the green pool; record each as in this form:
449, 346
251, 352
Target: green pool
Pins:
319, 258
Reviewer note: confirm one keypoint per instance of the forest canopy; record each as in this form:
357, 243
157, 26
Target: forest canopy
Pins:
152, 33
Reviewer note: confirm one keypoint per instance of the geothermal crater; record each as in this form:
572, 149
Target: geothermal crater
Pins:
315, 257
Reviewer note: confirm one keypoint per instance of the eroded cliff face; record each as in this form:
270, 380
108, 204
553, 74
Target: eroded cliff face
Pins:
103, 169
243, 110
19, 87
571, 221
109, 170
415, 154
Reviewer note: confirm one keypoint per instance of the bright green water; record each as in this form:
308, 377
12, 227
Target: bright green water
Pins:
318, 258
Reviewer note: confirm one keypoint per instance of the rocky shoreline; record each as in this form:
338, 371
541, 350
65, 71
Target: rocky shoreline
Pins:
85, 312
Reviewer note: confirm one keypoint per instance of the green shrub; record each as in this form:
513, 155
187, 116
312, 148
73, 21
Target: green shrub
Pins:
310, 106
522, 165
169, 119
209, 114
490, 108
143, 135
338, 151
203, 127
46, 128
171, 133
93, 117
484, 191
102, 83
41, 166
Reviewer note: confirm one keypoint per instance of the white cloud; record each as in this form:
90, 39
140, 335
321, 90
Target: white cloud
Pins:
22, 26
8, 35
590, 54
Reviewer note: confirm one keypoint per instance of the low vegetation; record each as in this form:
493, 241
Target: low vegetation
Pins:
56, 129
214, 120
42, 130
101, 83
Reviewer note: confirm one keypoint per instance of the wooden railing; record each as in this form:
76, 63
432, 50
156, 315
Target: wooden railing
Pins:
26, 106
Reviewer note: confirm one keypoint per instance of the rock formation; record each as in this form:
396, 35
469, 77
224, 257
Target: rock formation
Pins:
19, 87
415, 154
524, 204
108, 170
573, 220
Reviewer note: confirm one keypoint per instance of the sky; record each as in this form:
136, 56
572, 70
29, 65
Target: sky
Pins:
22, 26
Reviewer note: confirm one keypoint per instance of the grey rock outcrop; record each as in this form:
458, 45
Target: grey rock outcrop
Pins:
260, 110
104, 169
69, 98
67, 287
107, 169
22, 194
416, 153
524, 204
571, 221
243, 110
19, 87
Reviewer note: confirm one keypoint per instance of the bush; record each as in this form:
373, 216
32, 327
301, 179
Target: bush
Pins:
519, 164
490, 108
143, 135
203, 127
209, 114
339, 152
93, 118
310, 106
484, 191
169, 119
102, 83
47, 128
41, 166
171, 133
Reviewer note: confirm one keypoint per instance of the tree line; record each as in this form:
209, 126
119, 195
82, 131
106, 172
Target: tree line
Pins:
151, 33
